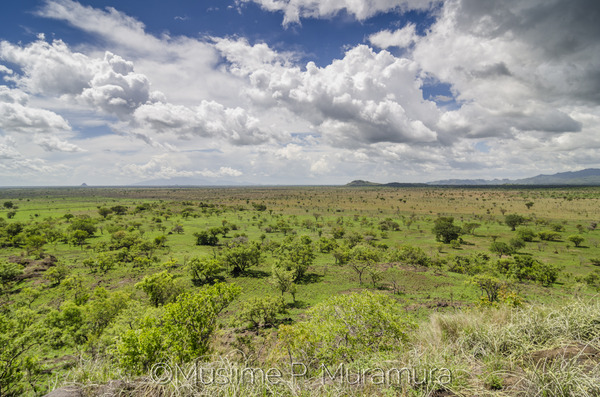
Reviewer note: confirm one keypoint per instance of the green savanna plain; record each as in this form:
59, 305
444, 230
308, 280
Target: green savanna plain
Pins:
445, 303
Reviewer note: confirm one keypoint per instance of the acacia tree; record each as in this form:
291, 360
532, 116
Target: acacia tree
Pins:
260, 312
282, 279
576, 239
297, 256
240, 257
488, 284
206, 238
445, 230
362, 258
513, 220
501, 248
104, 211
204, 270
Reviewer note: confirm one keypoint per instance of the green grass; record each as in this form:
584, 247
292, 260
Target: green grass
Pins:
313, 211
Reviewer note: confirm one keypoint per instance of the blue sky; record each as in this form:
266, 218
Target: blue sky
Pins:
296, 91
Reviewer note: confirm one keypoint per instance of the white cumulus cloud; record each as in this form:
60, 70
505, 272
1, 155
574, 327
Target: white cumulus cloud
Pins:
17, 116
364, 98
294, 10
399, 38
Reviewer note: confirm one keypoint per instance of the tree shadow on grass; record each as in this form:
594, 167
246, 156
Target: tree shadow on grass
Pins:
214, 280
298, 304
255, 273
310, 278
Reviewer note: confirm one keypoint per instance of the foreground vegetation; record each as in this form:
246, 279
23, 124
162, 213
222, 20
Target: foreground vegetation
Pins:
422, 291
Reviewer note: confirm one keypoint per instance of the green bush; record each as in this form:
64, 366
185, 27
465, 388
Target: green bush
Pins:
260, 312
206, 238
160, 287
501, 248
204, 270
345, 328
181, 332
240, 257
409, 255
526, 234
549, 235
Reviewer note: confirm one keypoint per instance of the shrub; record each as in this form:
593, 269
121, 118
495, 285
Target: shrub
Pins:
549, 235
182, 333
471, 265
526, 234
527, 268
191, 320
8, 275
388, 224
363, 257
501, 248
260, 312
409, 255
345, 328
546, 274
160, 288
327, 245
19, 336
516, 243
488, 284
206, 238
296, 255
204, 270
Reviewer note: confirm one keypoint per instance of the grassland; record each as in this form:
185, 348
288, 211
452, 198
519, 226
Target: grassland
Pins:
455, 328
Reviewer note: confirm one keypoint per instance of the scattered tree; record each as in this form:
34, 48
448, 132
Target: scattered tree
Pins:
160, 288
576, 239
240, 257
363, 257
513, 220
204, 270
445, 230
501, 248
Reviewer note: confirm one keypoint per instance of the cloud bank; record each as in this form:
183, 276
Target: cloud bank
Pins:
499, 89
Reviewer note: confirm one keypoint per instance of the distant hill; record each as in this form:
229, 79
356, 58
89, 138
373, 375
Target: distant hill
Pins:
468, 182
359, 183
588, 176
